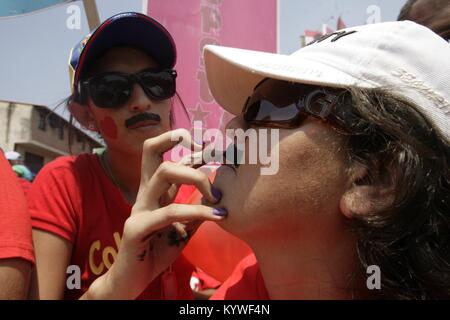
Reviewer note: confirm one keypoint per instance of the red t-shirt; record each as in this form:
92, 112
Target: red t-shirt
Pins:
245, 283
15, 225
26, 185
73, 198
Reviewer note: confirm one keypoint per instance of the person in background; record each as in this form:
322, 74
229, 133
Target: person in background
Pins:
16, 245
434, 14
24, 175
18, 166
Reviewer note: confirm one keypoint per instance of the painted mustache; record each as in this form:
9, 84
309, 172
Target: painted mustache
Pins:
151, 118
231, 156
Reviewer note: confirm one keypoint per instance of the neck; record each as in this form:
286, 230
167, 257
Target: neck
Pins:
305, 267
126, 171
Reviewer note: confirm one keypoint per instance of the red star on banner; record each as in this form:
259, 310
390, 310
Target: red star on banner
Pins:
198, 114
226, 117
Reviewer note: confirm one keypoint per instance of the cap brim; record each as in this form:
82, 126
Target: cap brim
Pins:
131, 30
233, 73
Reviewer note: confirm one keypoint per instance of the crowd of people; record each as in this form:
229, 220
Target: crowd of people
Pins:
363, 118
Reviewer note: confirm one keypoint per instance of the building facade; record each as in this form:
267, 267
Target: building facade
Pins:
40, 135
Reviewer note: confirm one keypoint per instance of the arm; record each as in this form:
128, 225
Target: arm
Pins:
52, 258
14, 278
16, 247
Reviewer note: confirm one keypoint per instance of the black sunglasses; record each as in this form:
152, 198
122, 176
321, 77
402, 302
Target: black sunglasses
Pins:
114, 89
284, 104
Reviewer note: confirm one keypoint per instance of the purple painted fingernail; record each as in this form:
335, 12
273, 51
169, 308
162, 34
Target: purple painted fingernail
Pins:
216, 193
221, 212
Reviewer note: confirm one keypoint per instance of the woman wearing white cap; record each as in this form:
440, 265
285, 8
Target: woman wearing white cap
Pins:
360, 204
94, 217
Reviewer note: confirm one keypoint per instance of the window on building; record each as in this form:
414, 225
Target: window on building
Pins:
61, 130
53, 120
33, 162
42, 123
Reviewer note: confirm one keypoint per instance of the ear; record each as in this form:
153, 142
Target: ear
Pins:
83, 114
370, 190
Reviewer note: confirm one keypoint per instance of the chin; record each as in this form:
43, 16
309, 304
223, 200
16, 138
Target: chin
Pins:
225, 181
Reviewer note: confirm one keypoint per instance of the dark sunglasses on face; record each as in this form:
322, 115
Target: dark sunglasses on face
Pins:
284, 104
114, 89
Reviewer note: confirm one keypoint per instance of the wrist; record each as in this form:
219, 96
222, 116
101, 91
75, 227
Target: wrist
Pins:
106, 287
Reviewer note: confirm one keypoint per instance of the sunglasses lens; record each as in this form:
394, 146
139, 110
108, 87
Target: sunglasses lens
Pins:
160, 85
114, 89
273, 101
265, 110
110, 91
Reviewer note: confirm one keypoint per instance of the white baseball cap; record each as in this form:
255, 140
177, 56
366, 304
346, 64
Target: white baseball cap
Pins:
12, 155
404, 56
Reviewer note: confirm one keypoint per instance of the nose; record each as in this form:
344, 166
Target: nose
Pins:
139, 102
234, 124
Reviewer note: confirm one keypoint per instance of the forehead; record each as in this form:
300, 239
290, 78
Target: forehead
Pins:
123, 59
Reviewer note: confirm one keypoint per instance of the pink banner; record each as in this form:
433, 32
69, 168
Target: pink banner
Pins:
249, 24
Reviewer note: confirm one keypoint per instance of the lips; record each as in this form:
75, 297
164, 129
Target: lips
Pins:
142, 120
231, 158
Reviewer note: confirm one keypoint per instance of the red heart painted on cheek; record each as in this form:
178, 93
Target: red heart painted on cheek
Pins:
108, 127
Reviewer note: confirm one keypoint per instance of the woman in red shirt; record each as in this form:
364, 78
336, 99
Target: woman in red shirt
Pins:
99, 214
16, 245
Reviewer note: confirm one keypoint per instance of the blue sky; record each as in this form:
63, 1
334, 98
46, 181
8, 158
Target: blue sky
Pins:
33, 61
34, 48
12, 7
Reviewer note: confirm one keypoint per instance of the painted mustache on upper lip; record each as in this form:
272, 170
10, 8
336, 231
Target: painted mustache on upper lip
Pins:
232, 156
152, 118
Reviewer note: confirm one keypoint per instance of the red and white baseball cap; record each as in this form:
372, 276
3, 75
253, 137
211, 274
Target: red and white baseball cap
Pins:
403, 56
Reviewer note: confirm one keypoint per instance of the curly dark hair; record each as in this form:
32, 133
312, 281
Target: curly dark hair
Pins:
409, 241
405, 10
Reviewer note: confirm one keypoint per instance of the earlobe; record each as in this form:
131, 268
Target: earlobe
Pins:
368, 192
83, 115
355, 201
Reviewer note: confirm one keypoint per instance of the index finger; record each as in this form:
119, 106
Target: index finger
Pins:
155, 147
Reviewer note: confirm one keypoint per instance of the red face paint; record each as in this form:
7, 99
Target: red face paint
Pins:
108, 127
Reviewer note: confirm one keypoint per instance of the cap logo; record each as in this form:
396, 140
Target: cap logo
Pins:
337, 35
426, 91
